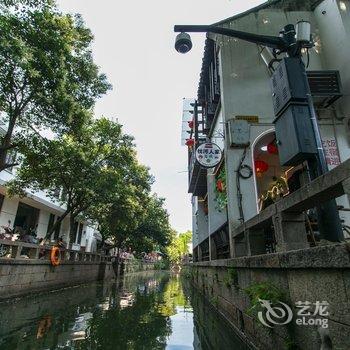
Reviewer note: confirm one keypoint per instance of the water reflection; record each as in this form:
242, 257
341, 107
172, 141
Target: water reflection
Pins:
144, 311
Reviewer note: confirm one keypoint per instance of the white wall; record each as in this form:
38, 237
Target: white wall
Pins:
245, 83
8, 211
43, 223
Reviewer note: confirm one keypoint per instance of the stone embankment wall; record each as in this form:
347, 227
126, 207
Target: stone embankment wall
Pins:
24, 276
26, 268
307, 275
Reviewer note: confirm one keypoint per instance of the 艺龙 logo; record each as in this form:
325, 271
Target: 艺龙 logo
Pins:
280, 314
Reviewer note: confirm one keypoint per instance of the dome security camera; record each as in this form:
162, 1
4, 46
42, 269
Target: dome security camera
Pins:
183, 43
303, 32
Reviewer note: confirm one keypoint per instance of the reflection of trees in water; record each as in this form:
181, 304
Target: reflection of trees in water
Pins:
173, 297
138, 326
46, 320
91, 317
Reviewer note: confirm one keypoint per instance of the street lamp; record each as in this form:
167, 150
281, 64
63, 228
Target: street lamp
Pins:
291, 40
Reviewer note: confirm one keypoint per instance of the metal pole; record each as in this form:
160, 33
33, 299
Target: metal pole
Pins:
329, 223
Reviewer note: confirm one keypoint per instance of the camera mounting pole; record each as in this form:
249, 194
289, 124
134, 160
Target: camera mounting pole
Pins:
284, 43
291, 43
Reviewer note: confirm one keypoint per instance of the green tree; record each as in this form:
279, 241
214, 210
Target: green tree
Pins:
179, 246
153, 231
83, 173
138, 221
47, 75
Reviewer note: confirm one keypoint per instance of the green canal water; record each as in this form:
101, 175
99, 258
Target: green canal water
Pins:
142, 311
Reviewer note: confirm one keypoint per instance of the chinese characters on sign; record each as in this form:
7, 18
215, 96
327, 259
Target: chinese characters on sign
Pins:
208, 155
331, 151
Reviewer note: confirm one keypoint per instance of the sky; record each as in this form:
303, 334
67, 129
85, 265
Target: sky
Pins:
134, 46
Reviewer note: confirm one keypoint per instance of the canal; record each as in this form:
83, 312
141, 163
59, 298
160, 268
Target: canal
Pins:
142, 311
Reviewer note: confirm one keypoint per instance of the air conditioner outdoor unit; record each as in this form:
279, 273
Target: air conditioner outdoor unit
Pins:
325, 87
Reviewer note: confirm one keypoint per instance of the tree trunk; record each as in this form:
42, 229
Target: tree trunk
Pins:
57, 222
6, 143
71, 228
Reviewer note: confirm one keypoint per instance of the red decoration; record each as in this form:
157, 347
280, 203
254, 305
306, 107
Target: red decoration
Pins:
220, 185
191, 124
261, 166
272, 148
190, 142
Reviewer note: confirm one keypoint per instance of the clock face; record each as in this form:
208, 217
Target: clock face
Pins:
208, 155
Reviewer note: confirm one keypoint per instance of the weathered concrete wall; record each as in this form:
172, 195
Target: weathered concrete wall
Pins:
317, 274
22, 276
211, 330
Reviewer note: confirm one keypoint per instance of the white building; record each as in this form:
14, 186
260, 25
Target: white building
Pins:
38, 209
235, 85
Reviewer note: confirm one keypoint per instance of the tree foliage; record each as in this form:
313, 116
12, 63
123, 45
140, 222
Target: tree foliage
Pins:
179, 246
47, 75
141, 224
48, 81
83, 173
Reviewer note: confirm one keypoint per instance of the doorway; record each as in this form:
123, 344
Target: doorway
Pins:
26, 218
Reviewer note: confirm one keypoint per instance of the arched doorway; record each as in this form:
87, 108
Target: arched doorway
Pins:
271, 179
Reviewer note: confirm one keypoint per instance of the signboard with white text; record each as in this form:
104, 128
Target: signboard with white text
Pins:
208, 155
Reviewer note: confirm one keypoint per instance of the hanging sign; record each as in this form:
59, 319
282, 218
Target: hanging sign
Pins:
251, 119
208, 155
331, 152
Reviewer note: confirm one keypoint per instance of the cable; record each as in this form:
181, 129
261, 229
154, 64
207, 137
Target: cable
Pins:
238, 185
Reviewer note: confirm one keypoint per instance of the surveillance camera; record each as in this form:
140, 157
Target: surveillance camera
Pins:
303, 32
183, 43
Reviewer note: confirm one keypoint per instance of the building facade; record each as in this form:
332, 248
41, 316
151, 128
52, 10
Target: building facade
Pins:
234, 102
38, 211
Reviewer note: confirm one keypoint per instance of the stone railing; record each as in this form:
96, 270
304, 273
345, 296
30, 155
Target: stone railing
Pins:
287, 216
11, 250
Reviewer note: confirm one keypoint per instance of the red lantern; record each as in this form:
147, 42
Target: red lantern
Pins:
261, 166
191, 124
272, 148
189, 142
220, 186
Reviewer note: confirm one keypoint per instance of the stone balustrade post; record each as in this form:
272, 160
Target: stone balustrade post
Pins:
256, 243
346, 187
18, 251
212, 249
200, 253
239, 245
290, 231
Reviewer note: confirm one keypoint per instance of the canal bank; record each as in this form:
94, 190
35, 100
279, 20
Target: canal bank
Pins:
22, 272
313, 283
148, 310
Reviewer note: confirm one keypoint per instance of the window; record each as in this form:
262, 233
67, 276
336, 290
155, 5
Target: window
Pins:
74, 233
81, 225
57, 230
11, 158
51, 222
2, 197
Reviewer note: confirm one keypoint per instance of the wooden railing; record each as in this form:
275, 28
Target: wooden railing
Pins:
287, 216
11, 250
